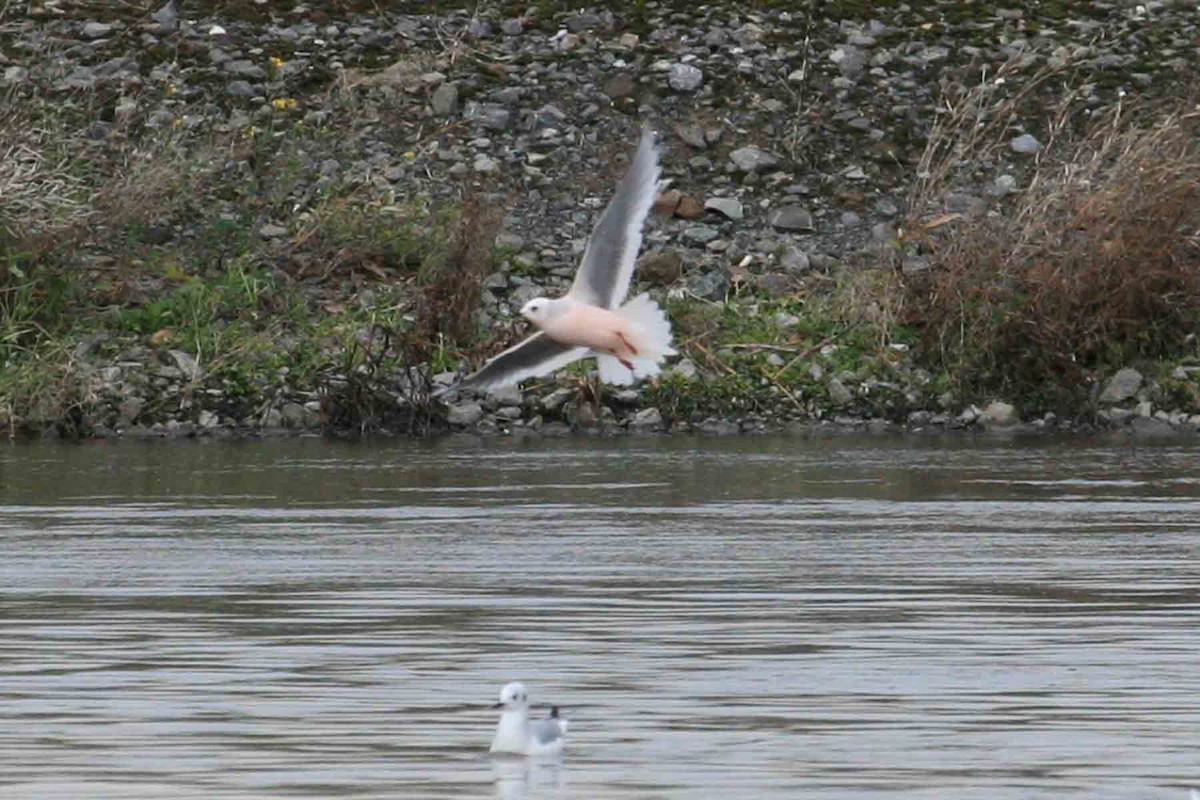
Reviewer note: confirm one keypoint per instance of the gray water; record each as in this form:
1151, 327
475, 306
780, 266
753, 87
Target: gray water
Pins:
725, 618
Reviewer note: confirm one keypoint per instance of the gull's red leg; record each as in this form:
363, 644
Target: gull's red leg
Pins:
625, 341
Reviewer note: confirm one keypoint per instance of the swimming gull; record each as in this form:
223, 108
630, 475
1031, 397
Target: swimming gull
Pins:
518, 734
629, 340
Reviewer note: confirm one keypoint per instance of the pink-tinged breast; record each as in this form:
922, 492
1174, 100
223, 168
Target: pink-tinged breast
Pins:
587, 326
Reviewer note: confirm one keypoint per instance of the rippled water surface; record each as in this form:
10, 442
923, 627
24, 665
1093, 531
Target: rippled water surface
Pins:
725, 618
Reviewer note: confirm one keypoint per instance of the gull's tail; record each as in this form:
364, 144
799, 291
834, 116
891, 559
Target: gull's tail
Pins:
562, 723
651, 338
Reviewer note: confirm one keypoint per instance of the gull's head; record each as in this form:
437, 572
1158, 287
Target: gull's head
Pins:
513, 697
539, 310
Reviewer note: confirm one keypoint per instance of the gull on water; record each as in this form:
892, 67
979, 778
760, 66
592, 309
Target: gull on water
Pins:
629, 340
517, 734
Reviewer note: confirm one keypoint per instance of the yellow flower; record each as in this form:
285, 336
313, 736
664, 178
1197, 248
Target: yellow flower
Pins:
170, 90
177, 122
284, 103
277, 62
410, 155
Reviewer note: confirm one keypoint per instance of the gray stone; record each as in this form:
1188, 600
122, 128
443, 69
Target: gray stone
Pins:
13, 75
514, 241
129, 409
241, 89
700, 234
272, 231
646, 419
726, 206
523, 294
709, 285
752, 159
999, 414
244, 68
583, 21
774, 284
294, 415
838, 392
445, 100
96, 30
792, 218
660, 268
513, 27
186, 365
508, 395
685, 369
692, 135
794, 260
492, 117
485, 164
554, 401
685, 78
1151, 427
1003, 185
1122, 386
465, 413
1025, 143
850, 60
207, 419
619, 86
167, 17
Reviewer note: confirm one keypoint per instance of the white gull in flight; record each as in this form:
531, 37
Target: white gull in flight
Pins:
629, 340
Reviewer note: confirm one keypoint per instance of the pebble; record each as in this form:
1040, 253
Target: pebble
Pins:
685, 78
792, 218
726, 206
752, 159
1025, 143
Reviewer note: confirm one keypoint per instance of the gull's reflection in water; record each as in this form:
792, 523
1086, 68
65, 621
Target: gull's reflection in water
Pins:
528, 777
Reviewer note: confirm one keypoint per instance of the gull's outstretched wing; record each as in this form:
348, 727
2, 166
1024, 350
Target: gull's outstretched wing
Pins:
607, 267
537, 355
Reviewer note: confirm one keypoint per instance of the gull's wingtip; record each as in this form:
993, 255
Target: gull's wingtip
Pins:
651, 138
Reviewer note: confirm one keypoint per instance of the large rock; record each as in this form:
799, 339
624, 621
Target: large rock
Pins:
1122, 386
648, 419
465, 413
998, 414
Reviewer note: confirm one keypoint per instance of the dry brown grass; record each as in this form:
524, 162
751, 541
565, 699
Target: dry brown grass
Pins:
40, 190
1097, 263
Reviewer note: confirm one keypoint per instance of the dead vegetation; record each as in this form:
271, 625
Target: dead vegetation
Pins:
1094, 265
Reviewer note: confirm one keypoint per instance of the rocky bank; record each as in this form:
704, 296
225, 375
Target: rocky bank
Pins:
794, 137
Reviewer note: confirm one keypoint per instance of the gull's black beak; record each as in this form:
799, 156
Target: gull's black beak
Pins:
498, 705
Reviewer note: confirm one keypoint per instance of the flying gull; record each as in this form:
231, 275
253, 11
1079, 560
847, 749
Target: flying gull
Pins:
629, 340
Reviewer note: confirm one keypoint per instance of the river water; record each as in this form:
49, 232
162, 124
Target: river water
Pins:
718, 618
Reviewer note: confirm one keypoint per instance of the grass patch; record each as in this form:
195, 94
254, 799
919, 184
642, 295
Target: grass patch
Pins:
778, 357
